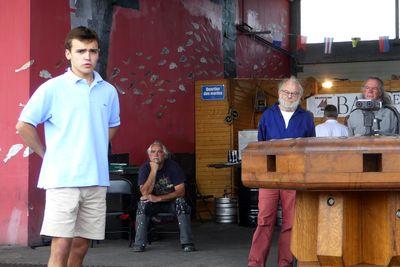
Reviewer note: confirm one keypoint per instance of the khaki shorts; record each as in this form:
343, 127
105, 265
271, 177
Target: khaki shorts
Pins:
75, 212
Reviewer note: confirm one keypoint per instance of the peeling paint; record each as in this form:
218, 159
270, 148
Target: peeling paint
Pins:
172, 66
165, 51
181, 49
153, 78
14, 149
127, 61
255, 67
203, 60
161, 89
163, 107
45, 74
190, 75
14, 226
149, 57
183, 59
189, 42
123, 79
25, 66
141, 67
119, 89
27, 151
205, 48
139, 54
198, 38
159, 83
172, 91
195, 25
162, 62
159, 114
182, 88
115, 73
21, 105
137, 91
189, 33
148, 101
197, 50
171, 100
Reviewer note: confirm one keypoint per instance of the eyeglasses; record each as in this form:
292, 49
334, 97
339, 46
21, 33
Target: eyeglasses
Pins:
371, 88
287, 93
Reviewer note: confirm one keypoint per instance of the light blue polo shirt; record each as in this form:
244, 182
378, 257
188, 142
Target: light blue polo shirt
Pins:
76, 118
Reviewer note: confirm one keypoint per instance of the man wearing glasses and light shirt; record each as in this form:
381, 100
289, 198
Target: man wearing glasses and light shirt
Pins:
162, 185
285, 119
386, 117
80, 113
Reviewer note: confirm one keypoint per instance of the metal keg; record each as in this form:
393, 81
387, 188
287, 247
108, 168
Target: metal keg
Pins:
226, 210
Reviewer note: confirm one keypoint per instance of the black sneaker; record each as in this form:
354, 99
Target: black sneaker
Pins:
188, 247
140, 248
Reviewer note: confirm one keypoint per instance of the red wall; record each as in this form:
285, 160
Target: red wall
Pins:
153, 107
30, 31
159, 88
254, 59
14, 52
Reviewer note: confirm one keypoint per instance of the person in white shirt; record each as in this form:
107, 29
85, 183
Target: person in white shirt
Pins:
331, 127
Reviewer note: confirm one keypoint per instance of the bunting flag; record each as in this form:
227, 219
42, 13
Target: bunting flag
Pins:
384, 45
277, 43
354, 41
328, 45
301, 42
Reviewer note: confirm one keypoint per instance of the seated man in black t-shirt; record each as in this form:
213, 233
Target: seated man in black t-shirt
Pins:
162, 184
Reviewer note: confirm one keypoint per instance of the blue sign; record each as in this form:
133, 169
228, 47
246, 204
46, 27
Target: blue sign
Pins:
212, 92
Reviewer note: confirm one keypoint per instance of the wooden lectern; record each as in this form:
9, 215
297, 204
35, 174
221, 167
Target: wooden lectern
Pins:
347, 204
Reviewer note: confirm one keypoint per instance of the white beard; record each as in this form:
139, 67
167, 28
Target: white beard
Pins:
289, 107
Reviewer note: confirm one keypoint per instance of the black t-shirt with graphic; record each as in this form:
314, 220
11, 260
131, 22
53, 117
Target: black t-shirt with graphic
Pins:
169, 176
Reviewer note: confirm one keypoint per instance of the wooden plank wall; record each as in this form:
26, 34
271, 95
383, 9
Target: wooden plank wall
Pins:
213, 138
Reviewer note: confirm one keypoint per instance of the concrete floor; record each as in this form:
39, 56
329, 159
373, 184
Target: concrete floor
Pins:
217, 245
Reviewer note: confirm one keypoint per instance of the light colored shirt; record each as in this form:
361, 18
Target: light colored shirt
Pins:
387, 122
286, 116
331, 128
76, 118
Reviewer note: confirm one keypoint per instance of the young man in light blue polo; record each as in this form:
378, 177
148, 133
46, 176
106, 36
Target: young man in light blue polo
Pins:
80, 113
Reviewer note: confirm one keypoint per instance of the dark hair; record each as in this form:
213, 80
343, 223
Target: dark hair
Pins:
330, 111
80, 33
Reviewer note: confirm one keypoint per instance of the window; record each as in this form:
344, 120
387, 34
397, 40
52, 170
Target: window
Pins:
344, 19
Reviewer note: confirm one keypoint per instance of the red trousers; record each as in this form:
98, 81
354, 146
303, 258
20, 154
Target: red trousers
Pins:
268, 200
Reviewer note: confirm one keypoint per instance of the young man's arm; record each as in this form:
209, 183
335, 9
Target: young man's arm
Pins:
111, 132
30, 136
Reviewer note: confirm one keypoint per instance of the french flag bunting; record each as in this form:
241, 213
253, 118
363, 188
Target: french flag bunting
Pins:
328, 45
301, 42
384, 45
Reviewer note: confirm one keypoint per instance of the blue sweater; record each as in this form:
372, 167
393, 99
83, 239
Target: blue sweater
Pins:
272, 124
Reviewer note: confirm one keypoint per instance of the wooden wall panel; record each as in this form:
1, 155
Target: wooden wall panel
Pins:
214, 137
